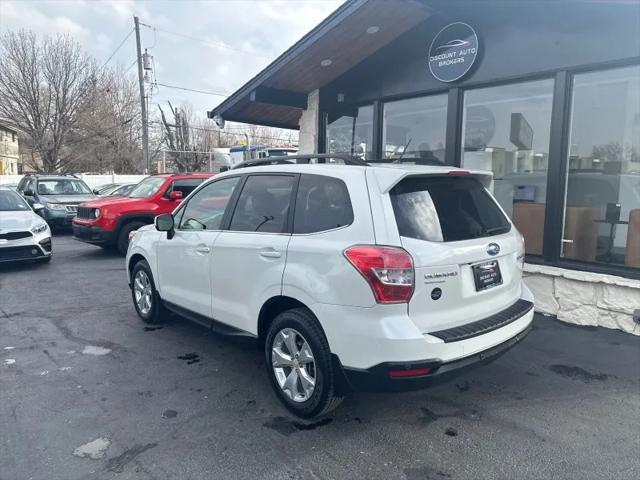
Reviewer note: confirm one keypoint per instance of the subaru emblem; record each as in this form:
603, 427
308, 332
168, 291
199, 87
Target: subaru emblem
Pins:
493, 249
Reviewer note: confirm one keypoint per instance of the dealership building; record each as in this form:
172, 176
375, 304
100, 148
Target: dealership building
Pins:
545, 94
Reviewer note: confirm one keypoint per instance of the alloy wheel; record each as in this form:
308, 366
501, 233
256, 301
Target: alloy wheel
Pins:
293, 364
143, 292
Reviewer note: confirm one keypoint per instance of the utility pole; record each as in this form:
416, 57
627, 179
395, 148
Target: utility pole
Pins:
143, 103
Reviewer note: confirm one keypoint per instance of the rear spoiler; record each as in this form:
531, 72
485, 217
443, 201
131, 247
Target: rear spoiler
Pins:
387, 178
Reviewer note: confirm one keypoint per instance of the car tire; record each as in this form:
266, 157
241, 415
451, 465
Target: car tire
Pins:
151, 309
298, 327
123, 235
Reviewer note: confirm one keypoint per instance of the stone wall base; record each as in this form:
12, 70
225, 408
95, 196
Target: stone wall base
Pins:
585, 298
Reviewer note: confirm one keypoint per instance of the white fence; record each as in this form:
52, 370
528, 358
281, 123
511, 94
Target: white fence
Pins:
91, 180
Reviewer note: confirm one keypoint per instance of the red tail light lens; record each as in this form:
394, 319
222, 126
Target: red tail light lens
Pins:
388, 270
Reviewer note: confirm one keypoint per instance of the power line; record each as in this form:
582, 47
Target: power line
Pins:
225, 95
208, 42
130, 66
118, 48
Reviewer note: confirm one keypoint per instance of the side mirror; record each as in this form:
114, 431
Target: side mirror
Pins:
224, 168
37, 206
176, 195
28, 193
164, 223
95, 191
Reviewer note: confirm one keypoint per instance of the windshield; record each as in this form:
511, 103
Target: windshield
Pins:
147, 187
12, 202
62, 186
446, 209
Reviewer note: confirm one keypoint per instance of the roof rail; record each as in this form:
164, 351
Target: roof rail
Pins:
302, 160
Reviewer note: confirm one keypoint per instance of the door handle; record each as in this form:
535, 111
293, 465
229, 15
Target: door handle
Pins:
203, 249
270, 253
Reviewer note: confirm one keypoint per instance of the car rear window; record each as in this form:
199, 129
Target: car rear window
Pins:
263, 205
322, 204
446, 209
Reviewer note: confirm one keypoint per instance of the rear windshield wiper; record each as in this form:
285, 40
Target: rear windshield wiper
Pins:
492, 230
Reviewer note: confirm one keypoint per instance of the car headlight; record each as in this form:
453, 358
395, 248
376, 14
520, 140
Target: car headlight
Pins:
55, 206
95, 213
39, 228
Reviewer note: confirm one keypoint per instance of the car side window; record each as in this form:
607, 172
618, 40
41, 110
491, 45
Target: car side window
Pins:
206, 208
322, 204
186, 186
29, 185
263, 205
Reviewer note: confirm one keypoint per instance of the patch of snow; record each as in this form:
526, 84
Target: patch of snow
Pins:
9, 361
64, 369
93, 350
95, 449
9, 348
44, 372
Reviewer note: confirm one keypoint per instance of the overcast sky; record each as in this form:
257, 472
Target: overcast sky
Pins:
232, 39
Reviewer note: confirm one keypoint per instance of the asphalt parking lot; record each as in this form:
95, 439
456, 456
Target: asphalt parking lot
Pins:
78, 367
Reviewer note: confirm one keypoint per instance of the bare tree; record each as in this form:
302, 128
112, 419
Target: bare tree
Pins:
43, 87
270, 136
106, 137
185, 144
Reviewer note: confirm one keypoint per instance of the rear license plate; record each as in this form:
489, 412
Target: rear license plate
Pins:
487, 275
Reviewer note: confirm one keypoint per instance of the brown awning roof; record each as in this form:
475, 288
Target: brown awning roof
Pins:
277, 95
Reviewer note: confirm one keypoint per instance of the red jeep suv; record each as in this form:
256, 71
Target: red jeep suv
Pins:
108, 221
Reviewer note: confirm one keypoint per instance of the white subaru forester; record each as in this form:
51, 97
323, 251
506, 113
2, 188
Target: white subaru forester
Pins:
351, 276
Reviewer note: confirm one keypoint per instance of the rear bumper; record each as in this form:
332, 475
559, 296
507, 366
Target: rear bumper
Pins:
92, 234
378, 379
368, 342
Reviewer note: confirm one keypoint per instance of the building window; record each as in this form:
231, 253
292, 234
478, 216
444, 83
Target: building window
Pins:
602, 205
507, 130
415, 129
351, 131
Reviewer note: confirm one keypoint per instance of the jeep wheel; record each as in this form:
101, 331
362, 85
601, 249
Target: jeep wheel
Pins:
145, 296
299, 364
123, 235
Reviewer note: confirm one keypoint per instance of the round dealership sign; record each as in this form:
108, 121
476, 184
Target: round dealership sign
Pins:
453, 52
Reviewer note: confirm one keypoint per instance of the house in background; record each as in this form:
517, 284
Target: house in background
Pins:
9, 154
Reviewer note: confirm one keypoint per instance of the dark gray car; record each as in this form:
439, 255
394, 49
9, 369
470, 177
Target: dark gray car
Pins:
59, 194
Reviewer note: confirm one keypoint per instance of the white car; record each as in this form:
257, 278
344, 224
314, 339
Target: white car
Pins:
352, 276
24, 235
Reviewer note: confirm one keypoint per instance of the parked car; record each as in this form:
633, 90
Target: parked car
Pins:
103, 188
24, 235
123, 190
352, 277
59, 195
108, 221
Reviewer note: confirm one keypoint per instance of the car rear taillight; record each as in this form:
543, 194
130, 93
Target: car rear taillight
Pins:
388, 270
